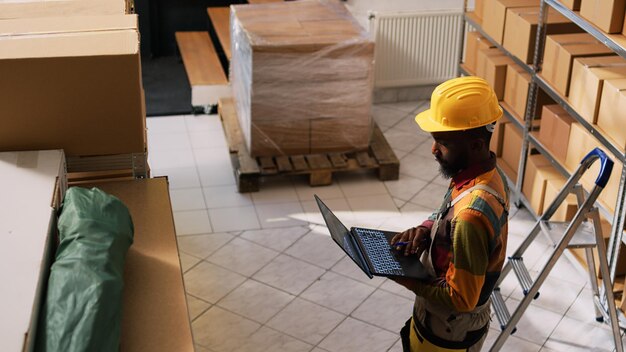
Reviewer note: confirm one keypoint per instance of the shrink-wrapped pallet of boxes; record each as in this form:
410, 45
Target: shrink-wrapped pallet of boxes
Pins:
301, 74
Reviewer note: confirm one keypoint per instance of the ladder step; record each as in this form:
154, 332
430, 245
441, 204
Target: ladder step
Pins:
584, 237
523, 276
502, 312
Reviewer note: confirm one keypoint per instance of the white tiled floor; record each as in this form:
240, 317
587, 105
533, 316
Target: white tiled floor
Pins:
262, 274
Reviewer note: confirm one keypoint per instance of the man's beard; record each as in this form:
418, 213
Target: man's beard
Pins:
450, 169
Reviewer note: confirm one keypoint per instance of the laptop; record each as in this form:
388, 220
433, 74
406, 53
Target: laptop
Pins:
370, 249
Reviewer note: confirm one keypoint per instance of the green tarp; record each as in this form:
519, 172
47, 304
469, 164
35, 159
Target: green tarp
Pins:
83, 307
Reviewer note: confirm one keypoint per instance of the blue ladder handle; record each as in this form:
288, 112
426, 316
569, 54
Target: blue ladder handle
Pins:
606, 165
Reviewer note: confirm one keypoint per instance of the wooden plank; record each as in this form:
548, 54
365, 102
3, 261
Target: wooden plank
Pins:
389, 172
234, 137
364, 159
284, 165
338, 160
267, 165
318, 161
247, 182
247, 164
299, 163
263, 1
200, 59
220, 18
228, 115
320, 178
381, 149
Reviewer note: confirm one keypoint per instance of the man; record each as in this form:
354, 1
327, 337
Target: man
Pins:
463, 244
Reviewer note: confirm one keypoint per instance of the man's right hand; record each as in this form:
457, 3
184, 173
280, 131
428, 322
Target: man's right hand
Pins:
417, 239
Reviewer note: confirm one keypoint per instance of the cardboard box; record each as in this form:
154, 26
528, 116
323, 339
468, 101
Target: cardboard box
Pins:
154, 315
588, 76
581, 142
606, 234
479, 8
333, 135
300, 61
560, 51
611, 118
608, 197
516, 90
475, 41
555, 130
520, 31
494, 23
491, 65
82, 89
507, 170
554, 184
571, 4
32, 189
63, 8
281, 137
608, 15
534, 186
497, 137
512, 146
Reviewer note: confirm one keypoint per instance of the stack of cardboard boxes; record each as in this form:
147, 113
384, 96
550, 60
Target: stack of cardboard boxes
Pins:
71, 81
576, 65
302, 77
584, 72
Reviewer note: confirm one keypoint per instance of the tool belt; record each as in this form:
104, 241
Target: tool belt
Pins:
418, 337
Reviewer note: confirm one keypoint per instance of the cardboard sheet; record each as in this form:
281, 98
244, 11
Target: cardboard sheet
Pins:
39, 9
27, 230
154, 314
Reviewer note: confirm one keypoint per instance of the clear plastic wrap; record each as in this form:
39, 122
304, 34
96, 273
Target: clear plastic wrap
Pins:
302, 76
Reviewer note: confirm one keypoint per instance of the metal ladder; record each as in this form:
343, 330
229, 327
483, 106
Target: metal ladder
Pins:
579, 233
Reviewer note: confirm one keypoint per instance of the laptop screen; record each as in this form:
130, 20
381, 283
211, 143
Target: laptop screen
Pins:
340, 234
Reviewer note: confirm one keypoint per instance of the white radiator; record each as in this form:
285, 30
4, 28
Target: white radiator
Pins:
417, 48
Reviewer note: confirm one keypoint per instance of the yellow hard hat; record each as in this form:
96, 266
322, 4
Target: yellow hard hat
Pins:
460, 104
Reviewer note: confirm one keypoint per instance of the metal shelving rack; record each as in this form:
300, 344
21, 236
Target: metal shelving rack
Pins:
616, 237
537, 82
615, 43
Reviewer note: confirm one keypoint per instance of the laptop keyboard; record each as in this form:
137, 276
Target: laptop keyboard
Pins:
377, 249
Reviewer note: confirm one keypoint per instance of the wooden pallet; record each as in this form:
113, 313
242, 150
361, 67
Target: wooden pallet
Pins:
320, 167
